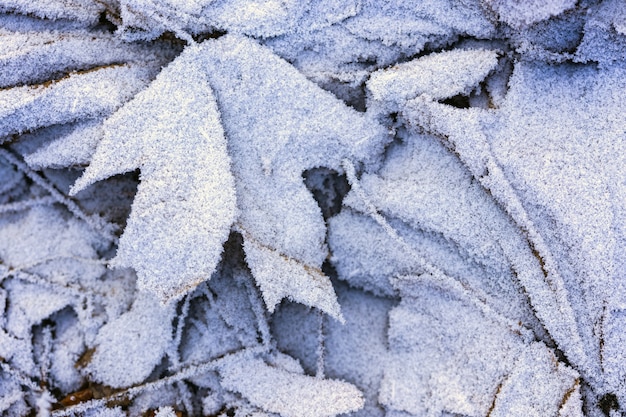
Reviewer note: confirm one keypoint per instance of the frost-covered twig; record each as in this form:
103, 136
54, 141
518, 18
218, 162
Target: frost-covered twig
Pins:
175, 344
26, 204
320, 345
259, 312
106, 229
45, 355
71, 290
42, 261
187, 372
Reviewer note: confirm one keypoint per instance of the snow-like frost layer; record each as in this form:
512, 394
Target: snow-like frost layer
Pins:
181, 216
477, 259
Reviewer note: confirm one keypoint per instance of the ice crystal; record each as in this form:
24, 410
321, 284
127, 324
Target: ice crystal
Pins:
312, 208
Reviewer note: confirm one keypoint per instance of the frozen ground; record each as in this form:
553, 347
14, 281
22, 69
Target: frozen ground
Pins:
313, 207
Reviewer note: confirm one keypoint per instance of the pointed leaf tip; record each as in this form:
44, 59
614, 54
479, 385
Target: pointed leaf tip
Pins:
185, 203
280, 277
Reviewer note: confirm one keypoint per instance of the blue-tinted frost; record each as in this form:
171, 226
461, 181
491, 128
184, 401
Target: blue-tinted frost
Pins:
185, 204
464, 217
290, 394
87, 12
92, 94
129, 347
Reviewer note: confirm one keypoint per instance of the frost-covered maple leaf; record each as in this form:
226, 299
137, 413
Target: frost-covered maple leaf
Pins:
276, 123
479, 256
185, 203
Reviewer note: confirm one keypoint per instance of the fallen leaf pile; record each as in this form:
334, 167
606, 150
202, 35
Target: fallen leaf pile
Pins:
313, 208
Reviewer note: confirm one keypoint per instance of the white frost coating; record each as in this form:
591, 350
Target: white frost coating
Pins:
16, 352
84, 11
523, 13
365, 255
291, 395
446, 355
604, 38
185, 204
11, 393
449, 219
278, 125
543, 282
30, 304
259, 18
281, 277
68, 347
165, 412
357, 351
43, 242
266, 18
66, 145
440, 75
103, 411
91, 94
557, 139
614, 354
30, 57
412, 24
539, 385
129, 347
518, 198
575, 183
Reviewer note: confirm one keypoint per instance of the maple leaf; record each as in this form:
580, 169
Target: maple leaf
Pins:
277, 123
185, 204
497, 267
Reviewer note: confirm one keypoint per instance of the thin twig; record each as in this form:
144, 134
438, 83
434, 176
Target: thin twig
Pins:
320, 345
65, 288
104, 262
98, 224
187, 372
26, 204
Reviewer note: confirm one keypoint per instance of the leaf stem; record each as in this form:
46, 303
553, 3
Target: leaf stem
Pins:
98, 224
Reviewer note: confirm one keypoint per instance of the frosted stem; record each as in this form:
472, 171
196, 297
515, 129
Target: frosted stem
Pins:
98, 224
188, 372
26, 204
320, 345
